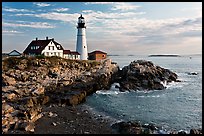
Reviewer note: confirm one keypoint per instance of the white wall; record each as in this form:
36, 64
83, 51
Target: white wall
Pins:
81, 46
53, 51
69, 56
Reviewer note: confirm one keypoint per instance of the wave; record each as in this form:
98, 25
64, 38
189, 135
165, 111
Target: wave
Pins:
113, 90
176, 84
110, 92
154, 96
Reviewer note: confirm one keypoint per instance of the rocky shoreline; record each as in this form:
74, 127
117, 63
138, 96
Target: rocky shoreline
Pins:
40, 90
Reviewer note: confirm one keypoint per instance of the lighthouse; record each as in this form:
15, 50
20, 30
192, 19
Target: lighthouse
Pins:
81, 46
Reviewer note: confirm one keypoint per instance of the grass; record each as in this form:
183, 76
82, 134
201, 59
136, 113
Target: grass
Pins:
12, 62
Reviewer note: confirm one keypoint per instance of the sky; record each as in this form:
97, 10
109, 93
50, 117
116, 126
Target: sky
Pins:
136, 28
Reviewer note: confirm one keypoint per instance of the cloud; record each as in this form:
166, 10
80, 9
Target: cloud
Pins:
87, 11
124, 6
127, 24
128, 29
42, 25
61, 9
100, 3
196, 8
16, 10
38, 4
11, 32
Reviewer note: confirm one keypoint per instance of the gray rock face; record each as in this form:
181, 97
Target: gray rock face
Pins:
30, 83
141, 74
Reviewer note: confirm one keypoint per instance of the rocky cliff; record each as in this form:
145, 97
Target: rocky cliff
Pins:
28, 83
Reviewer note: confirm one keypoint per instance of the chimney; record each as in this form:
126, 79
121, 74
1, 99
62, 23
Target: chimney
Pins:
46, 38
52, 39
36, 38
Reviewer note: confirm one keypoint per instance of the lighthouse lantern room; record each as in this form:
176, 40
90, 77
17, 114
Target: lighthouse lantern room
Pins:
81, 46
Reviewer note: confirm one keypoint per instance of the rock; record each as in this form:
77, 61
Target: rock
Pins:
141, 74
39, 91
21, 67
25, 76
44, 100
195, 131
10, 96
158, 86
192, 73
117, 86
5, 129
128, 127
182, 132
50, 114
33, 87
147, 131
86, 132
54, 124
7, 108
173, 132
30, 102
6, 81
30, 127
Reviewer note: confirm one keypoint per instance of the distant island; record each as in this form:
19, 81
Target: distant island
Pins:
164, 55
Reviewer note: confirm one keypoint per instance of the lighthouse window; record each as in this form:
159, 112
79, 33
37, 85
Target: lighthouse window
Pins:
84, 46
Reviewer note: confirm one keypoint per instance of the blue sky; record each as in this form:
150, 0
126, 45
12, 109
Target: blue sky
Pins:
139, 28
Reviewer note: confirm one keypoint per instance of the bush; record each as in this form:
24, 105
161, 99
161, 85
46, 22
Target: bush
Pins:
40, 56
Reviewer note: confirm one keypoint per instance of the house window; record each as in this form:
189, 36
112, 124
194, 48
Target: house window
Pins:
47, 53
48, 47
55, 53
52, 47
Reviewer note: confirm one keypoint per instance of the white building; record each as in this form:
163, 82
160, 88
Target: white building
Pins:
81, 46
14, 53
47, 47
71, 55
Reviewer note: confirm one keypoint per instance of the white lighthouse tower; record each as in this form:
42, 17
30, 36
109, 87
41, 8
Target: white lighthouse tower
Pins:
81, 46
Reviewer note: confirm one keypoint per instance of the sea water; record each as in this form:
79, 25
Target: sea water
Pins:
178, 107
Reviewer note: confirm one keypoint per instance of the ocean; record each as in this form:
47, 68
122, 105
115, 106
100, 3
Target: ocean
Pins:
178, 107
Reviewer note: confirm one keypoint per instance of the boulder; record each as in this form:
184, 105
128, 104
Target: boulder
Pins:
6, 80
10, 96
128, 127
195, 131
38, 91
141, 74
6, 108
21, 66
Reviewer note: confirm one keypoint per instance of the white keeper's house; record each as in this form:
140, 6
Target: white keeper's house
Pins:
49, 47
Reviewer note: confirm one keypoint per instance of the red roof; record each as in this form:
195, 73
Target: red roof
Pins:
66, 51
74, 53
97, 52
42, 44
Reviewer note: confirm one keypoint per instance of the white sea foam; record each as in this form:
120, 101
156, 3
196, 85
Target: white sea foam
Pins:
175, 84
154, 96
112, 91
